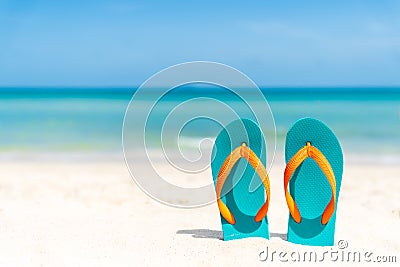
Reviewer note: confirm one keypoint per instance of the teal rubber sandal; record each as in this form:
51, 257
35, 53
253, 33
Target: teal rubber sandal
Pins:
313, 177
241, 181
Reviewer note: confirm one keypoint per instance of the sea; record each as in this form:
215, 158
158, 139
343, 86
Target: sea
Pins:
90, 121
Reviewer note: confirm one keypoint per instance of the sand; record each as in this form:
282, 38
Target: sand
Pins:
82, 213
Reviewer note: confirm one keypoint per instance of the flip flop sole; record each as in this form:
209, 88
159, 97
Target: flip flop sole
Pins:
309, 186
243, 192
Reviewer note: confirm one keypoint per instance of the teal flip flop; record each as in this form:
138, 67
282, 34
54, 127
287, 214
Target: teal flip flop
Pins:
241, 181
313, 177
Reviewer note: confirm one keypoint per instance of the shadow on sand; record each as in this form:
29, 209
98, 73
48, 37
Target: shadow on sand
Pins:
215, 234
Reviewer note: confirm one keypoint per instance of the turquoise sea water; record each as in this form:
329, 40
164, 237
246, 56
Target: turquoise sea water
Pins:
44, 120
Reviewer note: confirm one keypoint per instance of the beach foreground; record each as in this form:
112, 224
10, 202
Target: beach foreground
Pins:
93, 214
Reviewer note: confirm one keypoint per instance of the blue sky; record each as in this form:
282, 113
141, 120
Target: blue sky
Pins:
276, 43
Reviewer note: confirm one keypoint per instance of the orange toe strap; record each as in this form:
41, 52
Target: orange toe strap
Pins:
242, 152
310, 151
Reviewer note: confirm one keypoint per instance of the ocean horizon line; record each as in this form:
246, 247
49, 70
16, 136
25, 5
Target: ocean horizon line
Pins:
194, 87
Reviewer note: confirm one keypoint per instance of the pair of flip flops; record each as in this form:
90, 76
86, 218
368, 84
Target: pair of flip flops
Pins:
312, 180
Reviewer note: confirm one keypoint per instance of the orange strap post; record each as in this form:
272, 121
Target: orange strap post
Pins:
242, 152
310, 151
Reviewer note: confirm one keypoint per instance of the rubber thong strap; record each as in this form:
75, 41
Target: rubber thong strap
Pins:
310, 151
242, 151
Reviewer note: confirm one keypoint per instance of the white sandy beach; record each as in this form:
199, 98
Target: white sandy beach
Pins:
93, 214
